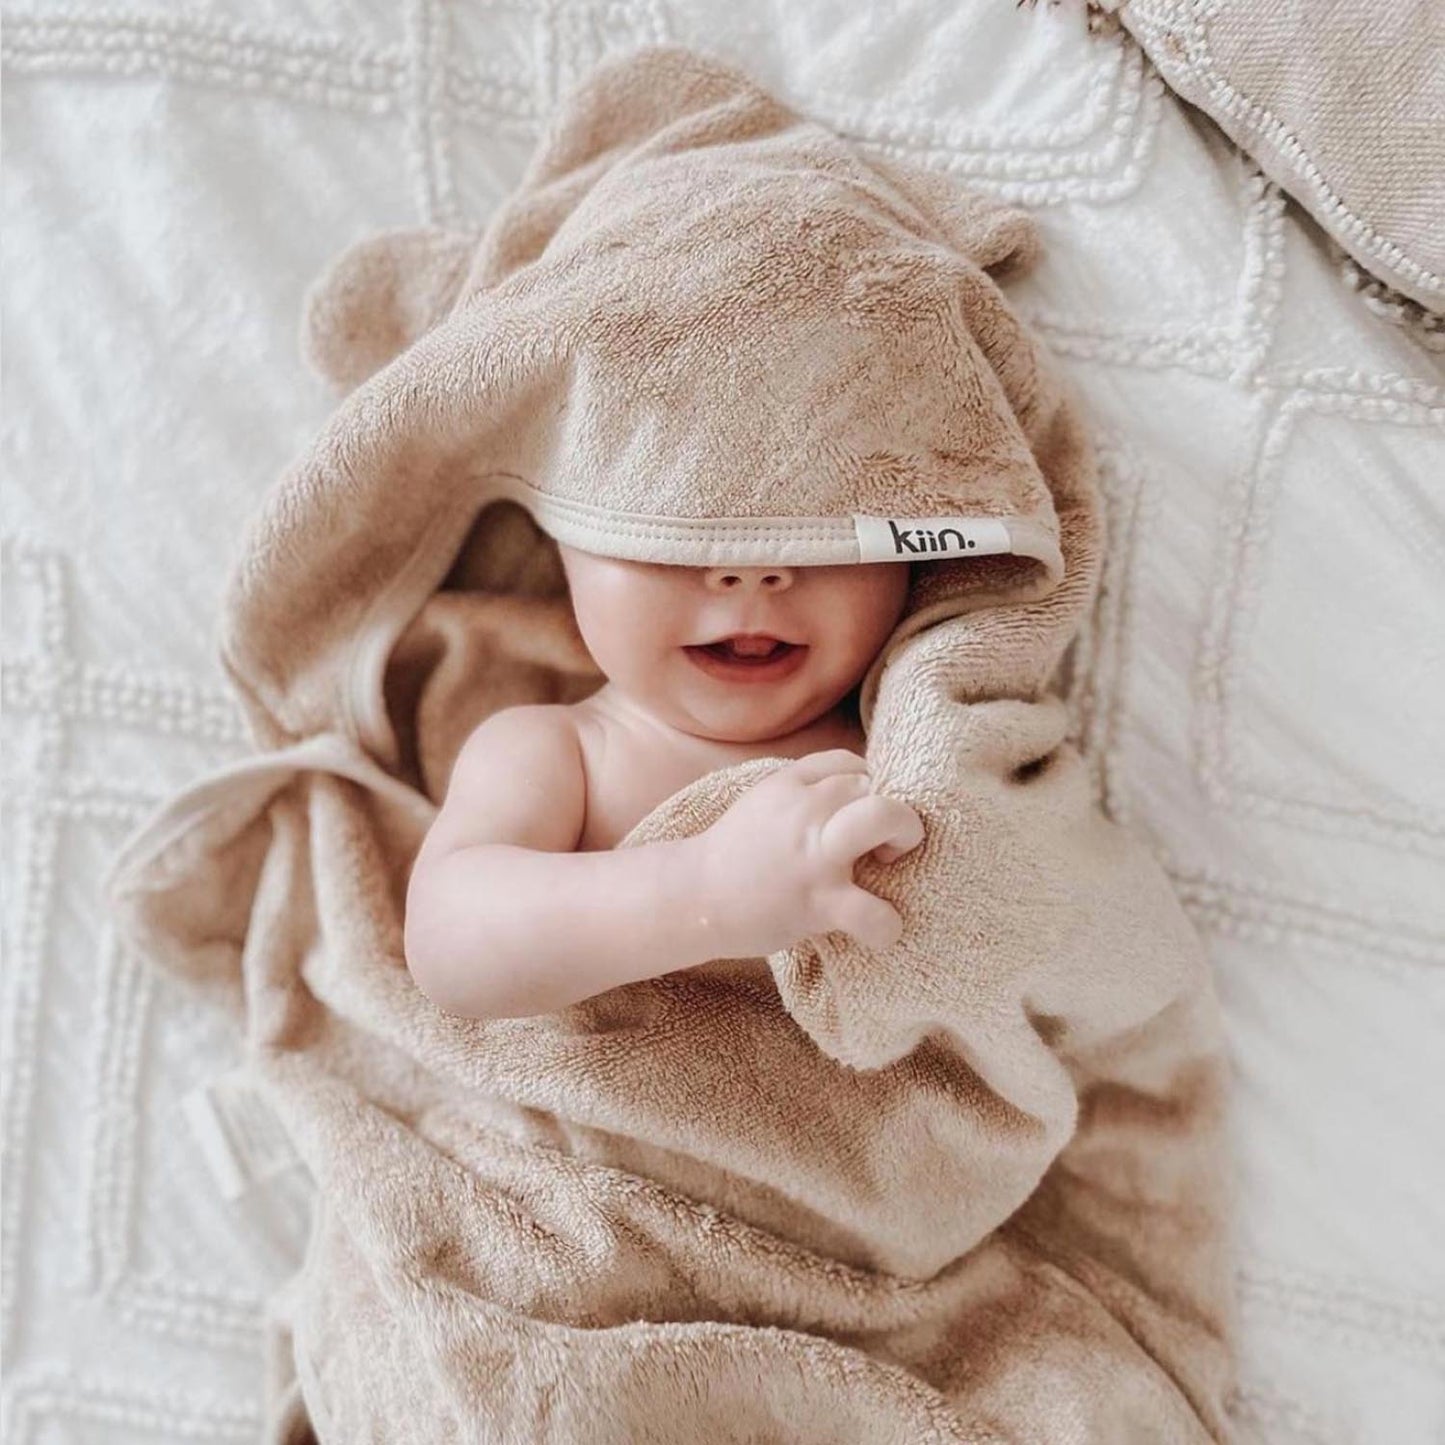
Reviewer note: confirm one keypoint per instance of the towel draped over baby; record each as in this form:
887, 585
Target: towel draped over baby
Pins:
968, 1188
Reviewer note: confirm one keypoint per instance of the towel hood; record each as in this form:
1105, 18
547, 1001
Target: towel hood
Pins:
703, 330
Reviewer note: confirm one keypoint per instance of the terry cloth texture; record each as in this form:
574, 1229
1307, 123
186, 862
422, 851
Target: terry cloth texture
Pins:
968, 1188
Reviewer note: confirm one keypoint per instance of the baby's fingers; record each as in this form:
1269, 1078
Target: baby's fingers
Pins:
870, 822
812, 767
873, 921
905, 840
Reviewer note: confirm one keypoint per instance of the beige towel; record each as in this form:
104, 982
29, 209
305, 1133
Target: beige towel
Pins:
970, 1188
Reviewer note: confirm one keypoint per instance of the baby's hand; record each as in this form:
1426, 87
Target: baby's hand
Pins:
780, 860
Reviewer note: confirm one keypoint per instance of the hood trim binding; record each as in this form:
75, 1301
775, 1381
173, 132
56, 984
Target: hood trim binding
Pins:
764, 541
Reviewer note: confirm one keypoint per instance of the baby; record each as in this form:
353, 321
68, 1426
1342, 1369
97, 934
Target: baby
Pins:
517, 904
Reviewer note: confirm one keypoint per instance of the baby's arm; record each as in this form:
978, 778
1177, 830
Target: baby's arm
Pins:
504, 918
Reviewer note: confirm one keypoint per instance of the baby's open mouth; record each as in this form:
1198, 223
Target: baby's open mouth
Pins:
747, 651
748, 647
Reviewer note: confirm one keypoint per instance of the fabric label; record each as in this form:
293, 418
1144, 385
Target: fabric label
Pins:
899, 539
238, 1133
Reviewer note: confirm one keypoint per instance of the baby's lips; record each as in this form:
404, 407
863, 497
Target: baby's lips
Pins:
747, 640
749, 644
754, 646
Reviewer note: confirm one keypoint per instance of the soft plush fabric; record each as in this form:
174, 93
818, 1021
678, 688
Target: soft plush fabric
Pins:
967, 1188
1341, 103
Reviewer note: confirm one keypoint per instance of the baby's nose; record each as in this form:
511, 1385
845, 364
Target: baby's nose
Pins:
749, 579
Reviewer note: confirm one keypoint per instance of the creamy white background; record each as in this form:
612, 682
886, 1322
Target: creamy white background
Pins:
1259, 691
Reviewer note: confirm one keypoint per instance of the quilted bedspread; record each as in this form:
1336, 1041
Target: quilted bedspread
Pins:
1258, 692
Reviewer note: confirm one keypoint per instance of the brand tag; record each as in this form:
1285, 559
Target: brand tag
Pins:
895, 539
239, 1135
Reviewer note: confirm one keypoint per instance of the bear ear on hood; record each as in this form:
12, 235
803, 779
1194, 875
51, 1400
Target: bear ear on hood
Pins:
383, 293
1001, 239
377, 297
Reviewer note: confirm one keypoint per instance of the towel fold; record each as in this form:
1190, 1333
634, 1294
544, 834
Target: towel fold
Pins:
972, 1187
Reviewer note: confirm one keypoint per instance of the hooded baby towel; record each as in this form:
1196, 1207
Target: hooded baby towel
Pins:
968, 1188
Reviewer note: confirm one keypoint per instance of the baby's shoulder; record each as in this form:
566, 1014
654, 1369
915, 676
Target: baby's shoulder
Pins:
526, 735
518, 778
526, 719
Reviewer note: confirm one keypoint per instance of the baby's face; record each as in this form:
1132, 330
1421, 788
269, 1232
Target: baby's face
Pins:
658, 633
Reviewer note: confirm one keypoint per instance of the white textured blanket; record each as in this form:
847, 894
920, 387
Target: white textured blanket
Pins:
1259, 713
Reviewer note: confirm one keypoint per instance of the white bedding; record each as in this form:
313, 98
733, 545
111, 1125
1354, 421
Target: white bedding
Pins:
1259, 691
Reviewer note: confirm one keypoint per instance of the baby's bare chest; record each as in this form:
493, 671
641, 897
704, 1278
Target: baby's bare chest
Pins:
626, 780
629, 774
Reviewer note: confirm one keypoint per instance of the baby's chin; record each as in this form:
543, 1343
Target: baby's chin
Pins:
746, 718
